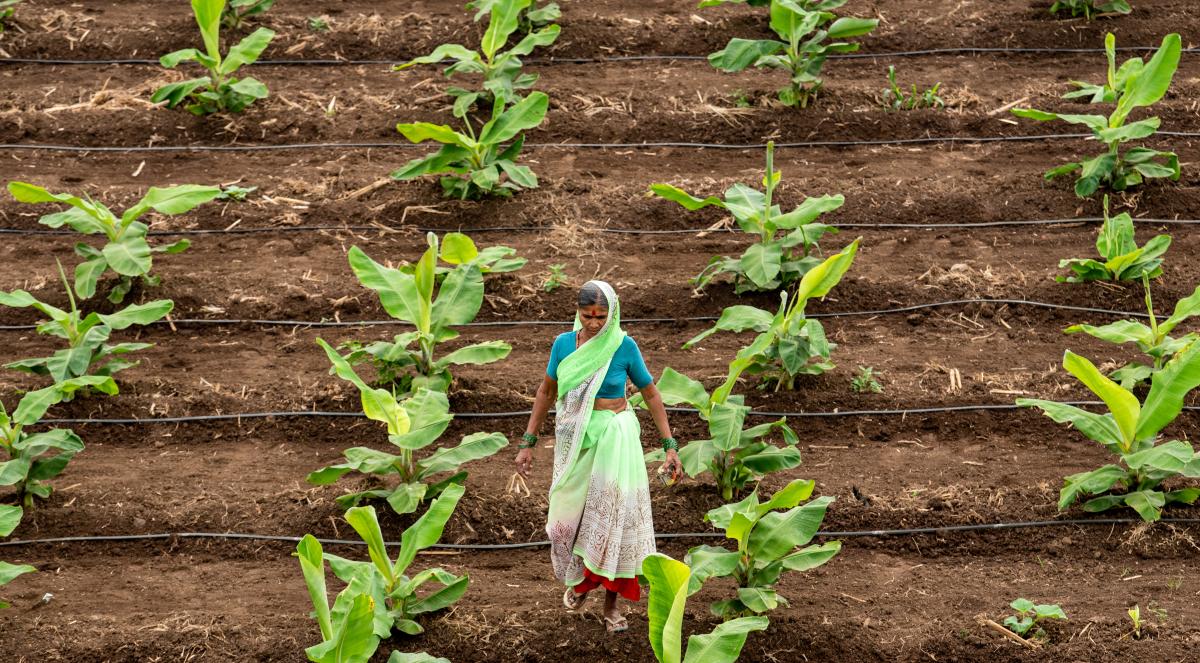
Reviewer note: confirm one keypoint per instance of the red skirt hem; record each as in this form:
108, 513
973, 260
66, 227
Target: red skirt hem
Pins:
628, 588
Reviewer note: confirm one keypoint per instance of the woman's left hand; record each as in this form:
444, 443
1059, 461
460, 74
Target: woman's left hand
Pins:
673, 465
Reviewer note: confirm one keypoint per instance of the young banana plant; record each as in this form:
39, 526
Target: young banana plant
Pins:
798, 345
220, 90
803, 27
34, 458
768, 543
379, 596
412, 425
734, 455
500, 69
126, 251
1153, 339
1130, 430
476, 164
1089, 8
1140, 85
669, 580
87, 351
773, 260
1124, 260
408, 295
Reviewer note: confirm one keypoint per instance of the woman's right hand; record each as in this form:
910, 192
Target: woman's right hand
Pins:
524, 462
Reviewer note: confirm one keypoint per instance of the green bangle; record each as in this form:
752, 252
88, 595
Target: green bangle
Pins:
669, 443
528, 441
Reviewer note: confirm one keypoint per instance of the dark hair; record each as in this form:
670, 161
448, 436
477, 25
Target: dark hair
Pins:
591, 295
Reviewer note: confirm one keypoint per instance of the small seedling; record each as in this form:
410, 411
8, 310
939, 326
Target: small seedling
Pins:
8, 8
318, 24
237, 11
236, 193
556, 279
1026, 622
895, 98
864, 381
1135, 616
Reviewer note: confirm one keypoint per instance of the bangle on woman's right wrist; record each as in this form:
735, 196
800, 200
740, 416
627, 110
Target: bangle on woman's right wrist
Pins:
669, 444
528, 441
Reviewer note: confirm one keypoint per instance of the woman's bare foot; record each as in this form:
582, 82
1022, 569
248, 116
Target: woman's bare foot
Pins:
614, 621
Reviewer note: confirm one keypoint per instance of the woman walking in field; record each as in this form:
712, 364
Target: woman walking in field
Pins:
599, 523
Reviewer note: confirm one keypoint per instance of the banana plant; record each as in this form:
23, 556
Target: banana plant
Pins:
126, 251
774, 260
500, 69
665, 606
34, 458
87, 351
1154, 339
238, 11
768, 543
735, 455
412, 425
394, 596
475, 164
804, 28
1089, 8
378, 597
1130, 430
529, 19
409, 296
1143, 85
798, 345
1124, 260
10, 517
220, 90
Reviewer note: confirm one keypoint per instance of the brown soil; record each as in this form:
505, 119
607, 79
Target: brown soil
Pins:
884, 598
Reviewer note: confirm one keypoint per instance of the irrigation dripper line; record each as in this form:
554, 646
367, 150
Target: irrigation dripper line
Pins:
566, 323
957, 50
914, 531
614, 231
981, 407
48, 147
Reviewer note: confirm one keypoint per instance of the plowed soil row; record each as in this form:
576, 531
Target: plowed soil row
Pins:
360, 29
866, 605
592, 103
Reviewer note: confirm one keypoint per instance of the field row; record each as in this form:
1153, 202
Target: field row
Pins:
360, 29
876, 606
595, 103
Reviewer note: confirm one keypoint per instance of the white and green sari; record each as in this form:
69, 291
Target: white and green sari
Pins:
599, 518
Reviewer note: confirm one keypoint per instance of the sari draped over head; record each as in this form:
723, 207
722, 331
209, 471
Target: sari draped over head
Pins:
599, 518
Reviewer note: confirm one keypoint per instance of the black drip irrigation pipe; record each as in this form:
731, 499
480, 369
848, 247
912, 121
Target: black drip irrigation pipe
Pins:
982, 407
915, 531
613, 231
958, 50
566, 323
47, 147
